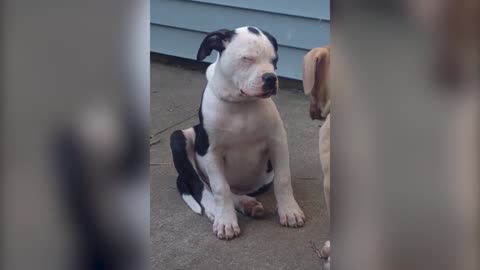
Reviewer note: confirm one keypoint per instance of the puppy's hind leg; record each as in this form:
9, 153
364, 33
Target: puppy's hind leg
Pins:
249, 206
208, 203
188, 182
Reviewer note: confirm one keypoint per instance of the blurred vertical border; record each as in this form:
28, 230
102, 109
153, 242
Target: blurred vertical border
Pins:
75, 124
405, 134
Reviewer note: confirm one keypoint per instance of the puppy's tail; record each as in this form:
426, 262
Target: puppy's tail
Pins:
188, 182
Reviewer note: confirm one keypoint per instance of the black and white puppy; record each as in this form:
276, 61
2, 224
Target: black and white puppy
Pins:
240, 145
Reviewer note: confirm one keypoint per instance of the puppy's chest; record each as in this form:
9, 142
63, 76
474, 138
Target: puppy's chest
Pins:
237, 131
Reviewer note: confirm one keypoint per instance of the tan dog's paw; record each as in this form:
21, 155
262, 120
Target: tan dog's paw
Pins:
291, 215
226, 226
325, 252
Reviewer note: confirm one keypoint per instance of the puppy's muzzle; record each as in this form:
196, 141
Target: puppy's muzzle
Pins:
269, 83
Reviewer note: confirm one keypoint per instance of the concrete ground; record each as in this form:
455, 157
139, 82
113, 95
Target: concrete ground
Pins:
182, 239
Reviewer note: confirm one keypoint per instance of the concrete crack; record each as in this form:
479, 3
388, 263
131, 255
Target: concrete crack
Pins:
167, 128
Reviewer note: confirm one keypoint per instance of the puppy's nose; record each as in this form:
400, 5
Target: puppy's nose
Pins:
269, 79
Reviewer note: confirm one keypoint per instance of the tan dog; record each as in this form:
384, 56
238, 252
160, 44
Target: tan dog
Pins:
316, 66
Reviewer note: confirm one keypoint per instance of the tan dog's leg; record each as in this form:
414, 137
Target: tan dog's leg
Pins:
324, 145
325, 159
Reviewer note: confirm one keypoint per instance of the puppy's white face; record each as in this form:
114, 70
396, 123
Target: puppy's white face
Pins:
248, 58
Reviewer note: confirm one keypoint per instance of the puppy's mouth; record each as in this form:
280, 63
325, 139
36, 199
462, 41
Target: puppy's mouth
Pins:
263, 95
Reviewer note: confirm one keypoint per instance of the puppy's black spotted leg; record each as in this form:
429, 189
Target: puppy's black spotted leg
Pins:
188, 182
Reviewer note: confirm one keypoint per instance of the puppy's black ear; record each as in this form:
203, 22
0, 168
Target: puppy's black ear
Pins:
214, 41
272, 39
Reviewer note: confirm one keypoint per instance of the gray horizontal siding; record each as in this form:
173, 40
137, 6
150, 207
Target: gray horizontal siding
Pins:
288, 30
316, 9
179, 26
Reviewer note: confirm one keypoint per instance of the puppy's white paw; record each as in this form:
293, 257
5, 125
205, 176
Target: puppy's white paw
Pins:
225, 225
291, 215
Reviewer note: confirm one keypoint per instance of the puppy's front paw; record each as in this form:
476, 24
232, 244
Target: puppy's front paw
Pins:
291, 215
225, 225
